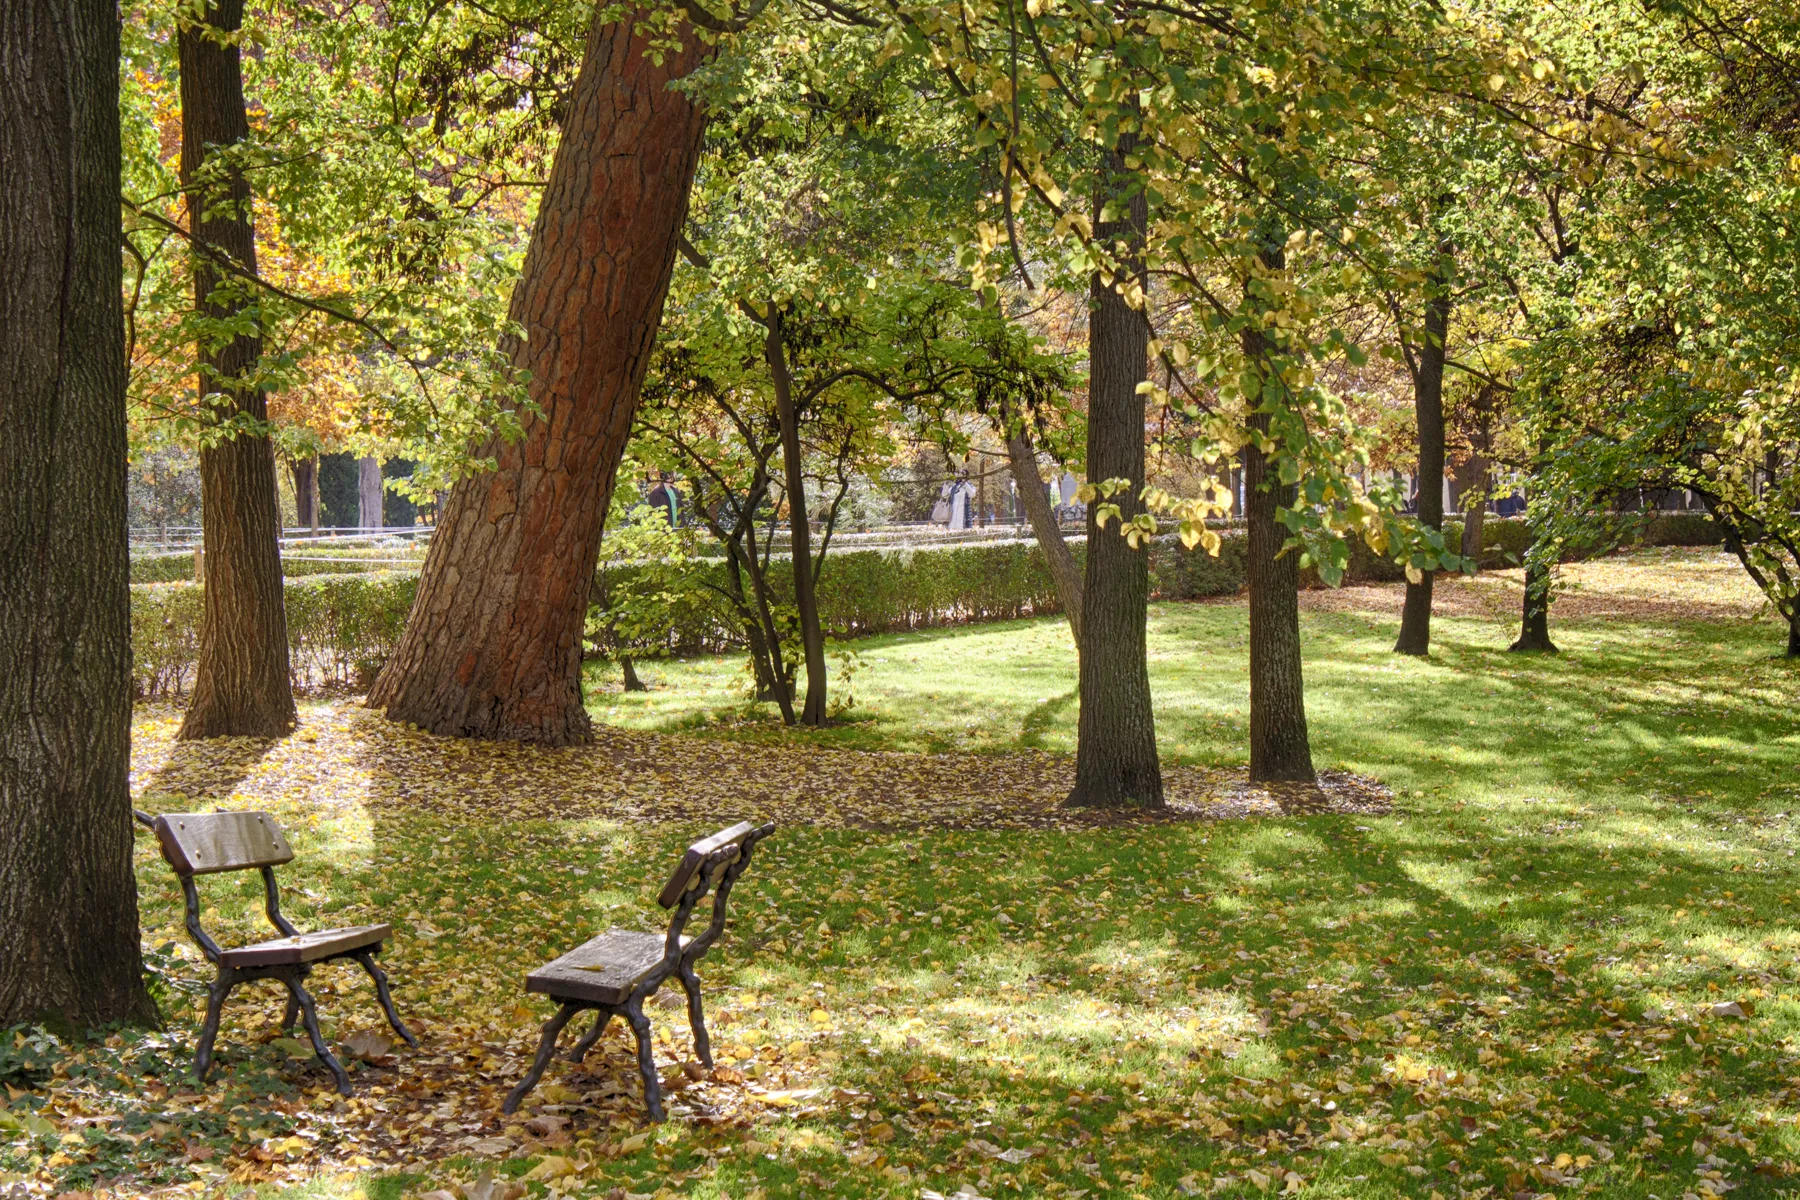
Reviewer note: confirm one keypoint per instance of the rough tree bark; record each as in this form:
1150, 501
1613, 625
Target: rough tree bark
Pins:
1471, 474
493, 646
1534, 618
306, 491
241, 684
368, 492
1115, 754
1428, 405
1061, 561
1279, 746
68, 900
812, 637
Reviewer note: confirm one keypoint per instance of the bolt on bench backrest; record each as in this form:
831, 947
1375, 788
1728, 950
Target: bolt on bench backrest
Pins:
208, 843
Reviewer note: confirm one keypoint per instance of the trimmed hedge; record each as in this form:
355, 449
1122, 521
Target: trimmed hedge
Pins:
342, 627
177, 566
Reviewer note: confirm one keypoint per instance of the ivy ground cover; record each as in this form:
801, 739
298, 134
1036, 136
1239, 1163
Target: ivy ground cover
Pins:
1561, 960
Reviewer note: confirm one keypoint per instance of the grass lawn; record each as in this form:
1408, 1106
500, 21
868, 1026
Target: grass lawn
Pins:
1506, 986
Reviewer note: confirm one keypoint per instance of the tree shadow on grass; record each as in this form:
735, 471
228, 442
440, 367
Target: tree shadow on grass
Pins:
202, 771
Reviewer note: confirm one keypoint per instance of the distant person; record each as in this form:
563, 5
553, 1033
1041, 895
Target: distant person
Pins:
663, 496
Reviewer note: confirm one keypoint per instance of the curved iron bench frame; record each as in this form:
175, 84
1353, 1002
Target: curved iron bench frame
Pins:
291, 975
698, 874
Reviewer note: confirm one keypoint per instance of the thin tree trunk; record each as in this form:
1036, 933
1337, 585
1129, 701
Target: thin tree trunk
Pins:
1534, 621
1793, 646
1428, 403
629, 670
69, 953
1279, 745
306, 491
368, 492
761, 666
1057, 556
242, 686
812, 637
493, 646
1115, 754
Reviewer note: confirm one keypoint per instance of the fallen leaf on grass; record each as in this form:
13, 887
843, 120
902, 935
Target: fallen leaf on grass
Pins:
368, 1045
1737, 1009
486, 1187
554, 1166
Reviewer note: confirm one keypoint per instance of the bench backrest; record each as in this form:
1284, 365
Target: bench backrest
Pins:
688, 871
205, 843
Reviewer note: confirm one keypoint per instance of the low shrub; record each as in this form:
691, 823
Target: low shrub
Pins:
171, 566
341, 628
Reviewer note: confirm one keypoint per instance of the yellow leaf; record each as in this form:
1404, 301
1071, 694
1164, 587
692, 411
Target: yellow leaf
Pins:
555, 1166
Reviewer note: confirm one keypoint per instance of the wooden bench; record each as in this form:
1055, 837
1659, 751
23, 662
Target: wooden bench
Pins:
616, 972
208, 843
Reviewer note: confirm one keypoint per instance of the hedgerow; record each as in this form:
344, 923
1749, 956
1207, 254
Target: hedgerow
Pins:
341, 627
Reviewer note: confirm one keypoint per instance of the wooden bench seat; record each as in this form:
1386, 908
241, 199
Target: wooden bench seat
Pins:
307, 947
602, 969
614, 974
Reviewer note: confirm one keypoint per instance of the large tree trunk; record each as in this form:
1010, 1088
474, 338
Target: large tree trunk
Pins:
241, 685
1061, 561
806, 599
1115, 756
1279, 746
1428, 403
68, 900
368, 492
1793, 646
493, 647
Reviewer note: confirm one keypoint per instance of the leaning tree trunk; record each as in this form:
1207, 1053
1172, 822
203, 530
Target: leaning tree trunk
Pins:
1115, 754
812, 637
68, 901
1055, 549
1428, 403
493, 646
241, 685
1279, 746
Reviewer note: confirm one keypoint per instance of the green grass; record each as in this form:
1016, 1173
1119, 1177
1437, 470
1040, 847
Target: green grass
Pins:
1588, 851
1628, 712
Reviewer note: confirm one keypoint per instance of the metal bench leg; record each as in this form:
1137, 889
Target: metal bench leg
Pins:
640, 1025
602, 1017
546, 1048
209, 1031
367, 959
290, 1014
310, 1017
690, 983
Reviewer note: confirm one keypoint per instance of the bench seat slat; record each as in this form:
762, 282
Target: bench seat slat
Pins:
602, 970
307, 947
